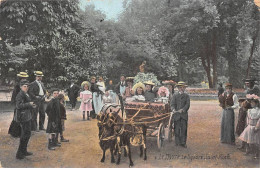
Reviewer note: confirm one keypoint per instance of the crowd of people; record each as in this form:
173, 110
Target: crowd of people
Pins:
29, 99
248, 125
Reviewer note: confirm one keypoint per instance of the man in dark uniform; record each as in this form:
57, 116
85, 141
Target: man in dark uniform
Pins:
180, 105
73, 92
251, 87
15, 129
54, 120
23, 115
37, 92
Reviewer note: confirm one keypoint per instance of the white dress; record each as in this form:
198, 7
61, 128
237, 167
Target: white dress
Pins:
253, 120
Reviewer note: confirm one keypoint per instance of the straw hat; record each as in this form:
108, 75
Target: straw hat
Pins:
169, 82
84, 83
181, 83
139, 84
23, 75
38, 73
149, 83
228, 85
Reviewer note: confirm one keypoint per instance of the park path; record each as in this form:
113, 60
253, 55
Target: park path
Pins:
204, 148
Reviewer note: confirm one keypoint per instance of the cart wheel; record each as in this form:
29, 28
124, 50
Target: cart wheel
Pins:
170, 129
160, 136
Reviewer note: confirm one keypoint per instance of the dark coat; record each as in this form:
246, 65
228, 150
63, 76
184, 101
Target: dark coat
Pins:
255, 90
23, 107
117, 87
180, 101
73, 91
54, 117
149, 96
63, 112
15, 92
34, 90
110, 87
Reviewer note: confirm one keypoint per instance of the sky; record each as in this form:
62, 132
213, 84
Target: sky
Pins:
111, 8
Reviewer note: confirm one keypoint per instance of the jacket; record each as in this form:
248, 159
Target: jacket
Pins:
180, 101
34, 90
23, 107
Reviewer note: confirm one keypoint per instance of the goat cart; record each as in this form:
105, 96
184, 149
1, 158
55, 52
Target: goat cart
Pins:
156, 117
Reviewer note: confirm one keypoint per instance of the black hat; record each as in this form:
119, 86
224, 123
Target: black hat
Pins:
249, 80
24, 83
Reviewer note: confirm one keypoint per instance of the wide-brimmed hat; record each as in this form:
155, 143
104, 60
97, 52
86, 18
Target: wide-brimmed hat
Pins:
23, 75
130, 79
249, 80
228, 85
241, 100
22, 83
139, 84
149, 83
85, 83
252, 97
169, 82
38, 73
165, 90
181, 83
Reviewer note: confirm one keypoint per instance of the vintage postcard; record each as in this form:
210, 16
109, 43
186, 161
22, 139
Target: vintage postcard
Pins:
129, 83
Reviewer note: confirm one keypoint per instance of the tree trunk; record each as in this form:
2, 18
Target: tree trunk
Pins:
214, 60
252, 52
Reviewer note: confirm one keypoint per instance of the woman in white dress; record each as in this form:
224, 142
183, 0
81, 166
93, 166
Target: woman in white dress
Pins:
251, 133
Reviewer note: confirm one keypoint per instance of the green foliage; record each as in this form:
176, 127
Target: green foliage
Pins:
143, 77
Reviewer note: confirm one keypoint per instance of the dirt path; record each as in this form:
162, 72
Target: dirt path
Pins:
204, 148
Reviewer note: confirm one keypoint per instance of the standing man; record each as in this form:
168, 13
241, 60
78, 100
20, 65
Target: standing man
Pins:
228, 101
15, 129
120, 90
73, 92
37, 93
251, 88
180, 105
23, 115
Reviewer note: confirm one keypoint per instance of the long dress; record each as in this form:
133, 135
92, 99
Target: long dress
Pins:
253, 121
86, 100
241, 123
228, 119
97, 98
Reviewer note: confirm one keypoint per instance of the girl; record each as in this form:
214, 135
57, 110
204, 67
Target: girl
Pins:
86, 100
163, 94
251, 134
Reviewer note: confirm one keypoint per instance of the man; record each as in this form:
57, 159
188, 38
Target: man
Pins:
149, 94
73, 92
251, 88
24, 116
120, 90
15, 129
37, 93
180, 105
54, 120
228, 101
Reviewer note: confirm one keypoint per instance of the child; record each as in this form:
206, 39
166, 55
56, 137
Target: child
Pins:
86, 100
251, 134
54, 120
107, 98
163, 94
63, 116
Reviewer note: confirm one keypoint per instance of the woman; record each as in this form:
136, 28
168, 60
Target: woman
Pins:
228, 101
139, 92
251, 134
128, 90
149, 94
